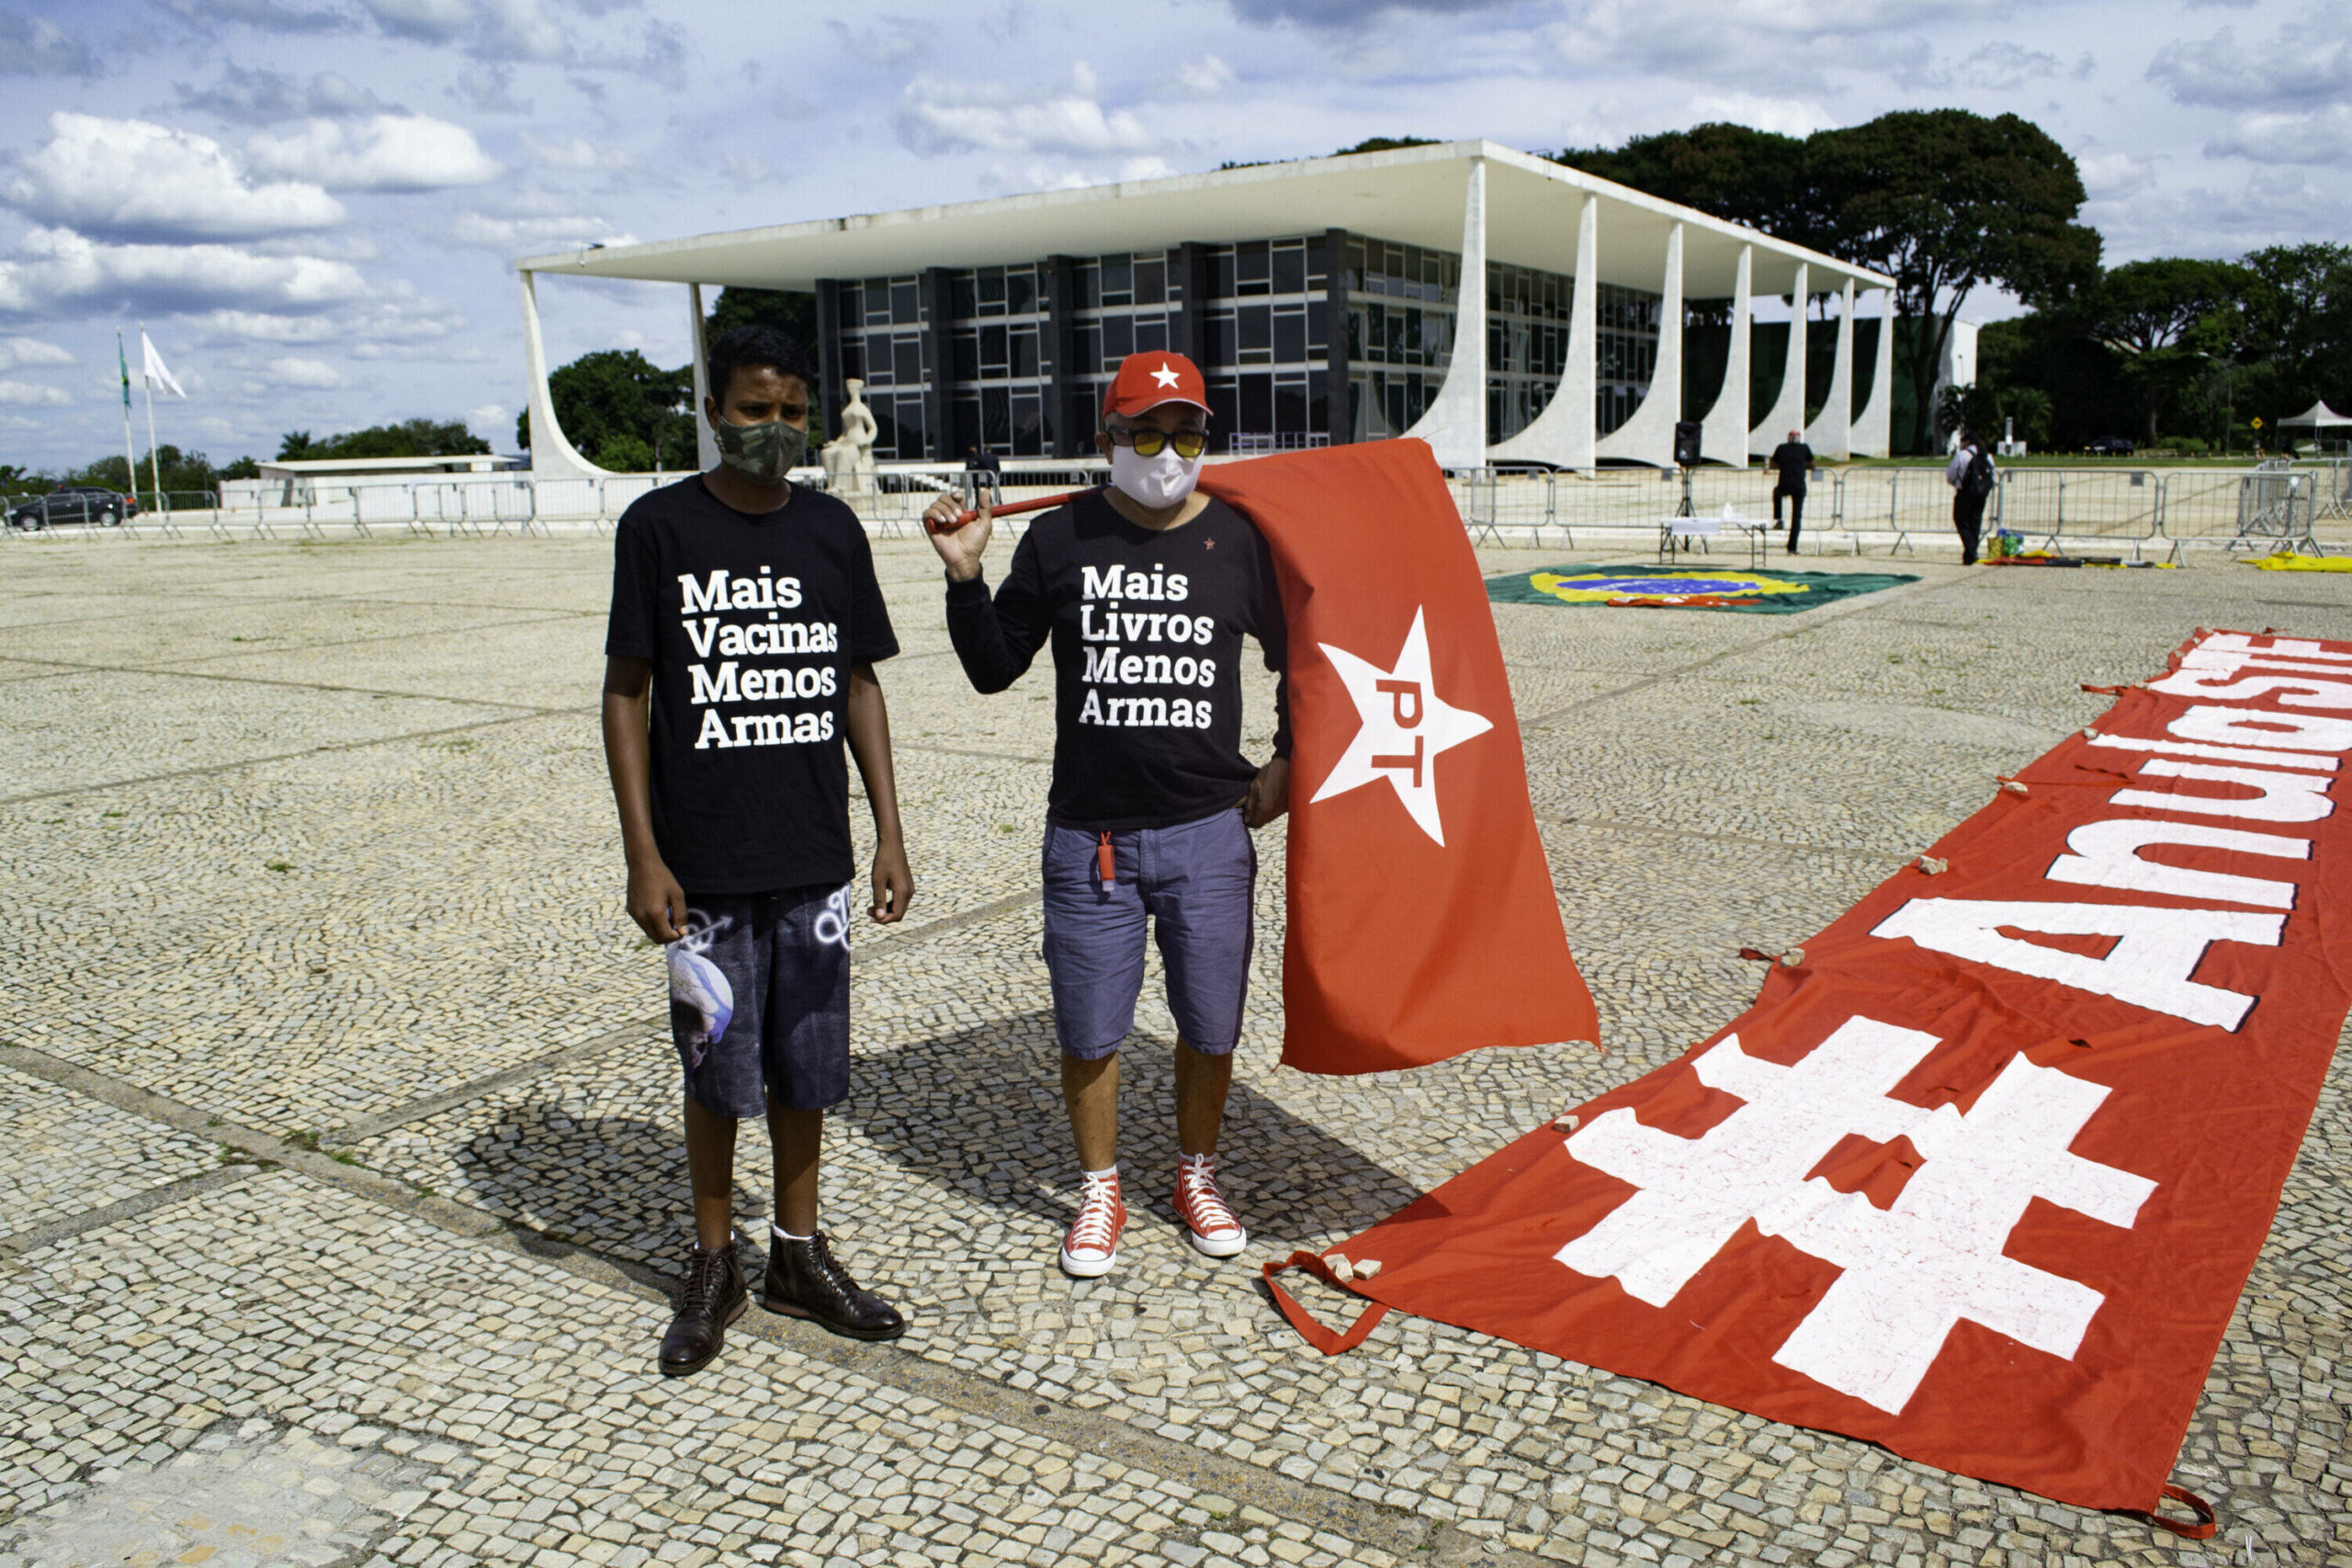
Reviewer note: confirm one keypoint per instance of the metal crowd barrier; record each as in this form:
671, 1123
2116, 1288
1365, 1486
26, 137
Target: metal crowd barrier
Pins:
2275, 507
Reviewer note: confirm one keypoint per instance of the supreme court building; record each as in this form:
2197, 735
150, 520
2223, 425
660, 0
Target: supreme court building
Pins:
1322, 298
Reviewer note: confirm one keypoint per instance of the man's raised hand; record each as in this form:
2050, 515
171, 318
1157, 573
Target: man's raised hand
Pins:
960, 547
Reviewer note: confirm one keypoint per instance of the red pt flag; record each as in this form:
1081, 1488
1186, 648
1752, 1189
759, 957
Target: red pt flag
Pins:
1982, 1173
1422, 919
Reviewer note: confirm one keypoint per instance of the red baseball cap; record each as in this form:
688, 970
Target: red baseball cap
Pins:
1146, 380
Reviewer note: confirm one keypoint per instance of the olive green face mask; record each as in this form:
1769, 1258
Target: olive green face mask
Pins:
762, 453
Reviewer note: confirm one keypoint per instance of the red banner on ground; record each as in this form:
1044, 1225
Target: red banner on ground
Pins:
1423, 920
1982, 1173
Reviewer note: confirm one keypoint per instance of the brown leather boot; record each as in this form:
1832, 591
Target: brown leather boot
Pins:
710, 1297
804, 1281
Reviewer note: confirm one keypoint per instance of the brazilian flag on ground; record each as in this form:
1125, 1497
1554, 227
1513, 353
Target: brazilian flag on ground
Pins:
1758, 591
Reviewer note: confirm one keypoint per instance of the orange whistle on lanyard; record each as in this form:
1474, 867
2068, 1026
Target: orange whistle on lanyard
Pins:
1104, 861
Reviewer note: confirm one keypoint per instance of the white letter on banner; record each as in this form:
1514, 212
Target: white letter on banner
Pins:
2259, 727
1697, 1192
2149, 967
2238, 642
1935, 1257
2283, 797
2219, 686
2107, 854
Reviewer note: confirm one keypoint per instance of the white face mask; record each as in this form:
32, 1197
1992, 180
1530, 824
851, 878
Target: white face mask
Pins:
1156, 482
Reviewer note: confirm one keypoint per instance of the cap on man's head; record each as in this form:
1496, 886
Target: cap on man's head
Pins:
1146, 380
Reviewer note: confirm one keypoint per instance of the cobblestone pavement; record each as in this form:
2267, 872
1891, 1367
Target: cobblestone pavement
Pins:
340, 1178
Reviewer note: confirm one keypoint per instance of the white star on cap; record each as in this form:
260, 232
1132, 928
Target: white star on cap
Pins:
1403, 729
1165, 376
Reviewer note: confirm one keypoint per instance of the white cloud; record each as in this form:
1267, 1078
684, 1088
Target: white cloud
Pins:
565, 232
26, 395
256, 96
2116, 177
493, 420
2319, 136
1204, 78
56, 268
1787, 117
294, 372
2307, 61
130, 179
1145, 168
386, 152
16, 351
2002, 65
579, 153
939, 116
35, 46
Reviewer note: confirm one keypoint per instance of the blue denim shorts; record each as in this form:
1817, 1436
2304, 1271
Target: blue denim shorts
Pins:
759, 1001
1195, 882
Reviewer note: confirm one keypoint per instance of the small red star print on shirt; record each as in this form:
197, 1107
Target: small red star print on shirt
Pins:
1209, 544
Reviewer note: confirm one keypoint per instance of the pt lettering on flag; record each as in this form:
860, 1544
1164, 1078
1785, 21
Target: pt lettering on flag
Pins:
1982, 1176
1422, 922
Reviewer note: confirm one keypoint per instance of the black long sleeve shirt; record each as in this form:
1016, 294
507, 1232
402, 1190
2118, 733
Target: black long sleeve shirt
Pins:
1146, 630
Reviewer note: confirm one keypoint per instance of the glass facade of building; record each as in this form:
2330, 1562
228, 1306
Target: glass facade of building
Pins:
1013, 360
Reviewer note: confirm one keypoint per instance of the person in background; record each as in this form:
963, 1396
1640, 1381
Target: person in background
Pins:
1972, 477
1791, 461
1145, 589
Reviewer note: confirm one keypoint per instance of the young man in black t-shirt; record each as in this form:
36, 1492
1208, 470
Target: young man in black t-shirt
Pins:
746, 623
1145, 589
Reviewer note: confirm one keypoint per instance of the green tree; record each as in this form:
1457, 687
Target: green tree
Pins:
1944, 201
409, 438
1756, 177
789, 311
2166, 321
1371, 145
623, 412
2299, 322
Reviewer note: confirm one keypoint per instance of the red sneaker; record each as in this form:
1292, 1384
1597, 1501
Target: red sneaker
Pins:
1092, 1244
1208, 1224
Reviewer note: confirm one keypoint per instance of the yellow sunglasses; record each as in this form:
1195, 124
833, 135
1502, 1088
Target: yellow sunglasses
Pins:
1189, 444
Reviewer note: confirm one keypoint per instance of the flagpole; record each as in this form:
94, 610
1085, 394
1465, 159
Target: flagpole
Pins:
129, 456
154, 472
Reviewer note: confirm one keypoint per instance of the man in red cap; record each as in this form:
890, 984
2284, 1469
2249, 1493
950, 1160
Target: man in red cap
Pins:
1145, 589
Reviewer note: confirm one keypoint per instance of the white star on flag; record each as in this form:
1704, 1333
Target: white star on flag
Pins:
1165, 376
1402, 727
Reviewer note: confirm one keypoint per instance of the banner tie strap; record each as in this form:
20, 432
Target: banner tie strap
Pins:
2202, 1528
1314, 1333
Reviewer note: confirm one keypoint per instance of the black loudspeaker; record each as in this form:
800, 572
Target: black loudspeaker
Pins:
1686, 444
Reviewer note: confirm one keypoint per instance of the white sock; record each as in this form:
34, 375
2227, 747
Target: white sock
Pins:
1108, 1173
788, 1236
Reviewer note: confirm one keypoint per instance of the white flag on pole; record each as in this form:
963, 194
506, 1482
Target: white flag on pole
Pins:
156, 372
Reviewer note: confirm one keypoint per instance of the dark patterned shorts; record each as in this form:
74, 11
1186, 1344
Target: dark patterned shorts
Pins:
759, 999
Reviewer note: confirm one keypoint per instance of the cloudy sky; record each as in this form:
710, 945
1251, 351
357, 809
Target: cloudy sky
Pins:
314, 204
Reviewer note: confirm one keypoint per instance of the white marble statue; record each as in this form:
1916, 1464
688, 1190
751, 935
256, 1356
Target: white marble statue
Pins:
849, 457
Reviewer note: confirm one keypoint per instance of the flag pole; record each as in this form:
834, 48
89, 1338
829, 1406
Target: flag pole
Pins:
129, 456
154, 472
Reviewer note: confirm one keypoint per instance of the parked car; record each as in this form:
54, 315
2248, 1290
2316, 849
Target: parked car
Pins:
72, 504
2111, 446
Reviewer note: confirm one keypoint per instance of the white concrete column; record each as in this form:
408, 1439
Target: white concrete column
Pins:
1648, 435
705, 446
1723, 436
552, 454
1788, 409
1832, 435
1455, 424
1562, 434
1874, 426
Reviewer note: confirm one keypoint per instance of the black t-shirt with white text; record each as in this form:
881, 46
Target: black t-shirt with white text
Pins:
1147, 627
751, 622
